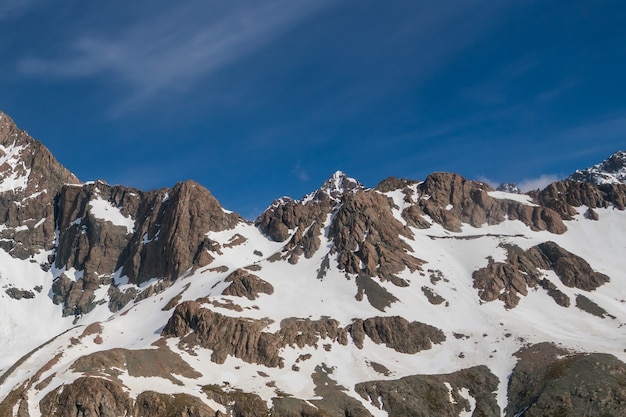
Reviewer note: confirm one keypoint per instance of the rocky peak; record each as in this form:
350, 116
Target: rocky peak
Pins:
26, 166
286, 214
30, 179
610, 171
509, 187
334, 188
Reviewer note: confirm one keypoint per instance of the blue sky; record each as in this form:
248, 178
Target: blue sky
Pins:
259, 99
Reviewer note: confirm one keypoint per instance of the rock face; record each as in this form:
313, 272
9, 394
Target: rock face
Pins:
296, 316
87, 397
509, 187
246, 339
396, 333
563, 196
245, 284
153, 404
368, 238
143, 235
435, 395
506, 280
452, 200
167, 237
548, 381
610, 171
101, 228
30, 179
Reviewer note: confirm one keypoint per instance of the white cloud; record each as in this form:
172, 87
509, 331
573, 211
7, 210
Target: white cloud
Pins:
172, 50
537, 183
300, 172
527, 184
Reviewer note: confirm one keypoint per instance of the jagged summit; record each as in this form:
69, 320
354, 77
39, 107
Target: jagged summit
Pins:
610, 171
334, 188
437, 297
509, 187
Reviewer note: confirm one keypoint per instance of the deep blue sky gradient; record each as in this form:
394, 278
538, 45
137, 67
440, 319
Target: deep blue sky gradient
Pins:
256, 100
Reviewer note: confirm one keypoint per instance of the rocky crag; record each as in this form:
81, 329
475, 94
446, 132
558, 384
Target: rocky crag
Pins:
413, 298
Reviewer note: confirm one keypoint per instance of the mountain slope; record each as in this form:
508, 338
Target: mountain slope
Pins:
436, 297
610, 171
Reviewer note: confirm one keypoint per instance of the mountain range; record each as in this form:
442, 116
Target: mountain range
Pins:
434, 297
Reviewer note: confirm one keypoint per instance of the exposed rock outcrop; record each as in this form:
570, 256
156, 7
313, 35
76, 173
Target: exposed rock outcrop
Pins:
450, 199
239, 337
246, 339
564, 196
245, 284
159, 233
435, 395
573, 270
237, 402
30, 179
549, 381
154, 404
86, 397
610, 171
160, 362
368, 238
169, 235
89, 396
396, 333
506, 280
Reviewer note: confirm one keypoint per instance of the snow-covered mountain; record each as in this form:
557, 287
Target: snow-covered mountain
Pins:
441, 297
610, 171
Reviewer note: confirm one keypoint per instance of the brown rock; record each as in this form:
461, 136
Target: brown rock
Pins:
154, 404
240, 337
429, 395
504, 280
306, 332
563, 196
236, 402
245, 339
31, 206
367, 238
245, 284
559, 296
451, 200
547, 381
573, 270
161, 362
169, 237
396, 333
87, 397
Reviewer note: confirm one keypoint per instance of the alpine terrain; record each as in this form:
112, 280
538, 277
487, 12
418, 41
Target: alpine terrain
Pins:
434, 297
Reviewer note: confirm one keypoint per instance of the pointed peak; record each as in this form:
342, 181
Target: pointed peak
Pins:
509, 187
334, 188
610, 171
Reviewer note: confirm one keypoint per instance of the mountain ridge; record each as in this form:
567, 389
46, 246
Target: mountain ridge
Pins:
155, 303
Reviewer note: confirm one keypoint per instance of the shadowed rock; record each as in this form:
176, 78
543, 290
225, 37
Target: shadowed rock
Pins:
246, 339
549, 381
506, 280
428, 395
245, 284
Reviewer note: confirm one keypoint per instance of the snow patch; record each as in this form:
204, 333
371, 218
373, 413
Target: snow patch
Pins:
520, 198
104, 210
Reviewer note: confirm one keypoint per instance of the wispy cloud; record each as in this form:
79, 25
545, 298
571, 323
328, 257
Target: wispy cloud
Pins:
172, 50
300, 172
525, 185
537, 183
